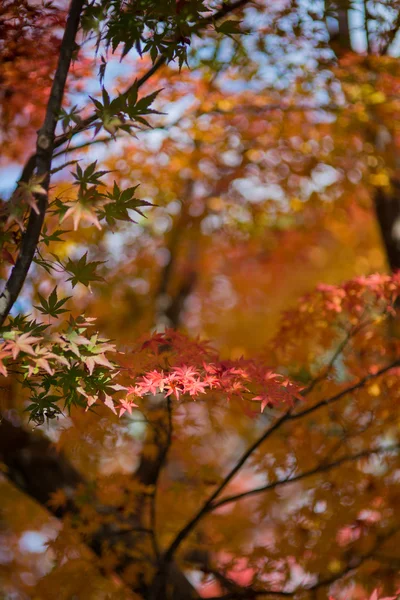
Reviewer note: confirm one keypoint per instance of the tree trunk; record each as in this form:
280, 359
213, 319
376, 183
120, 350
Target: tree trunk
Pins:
386, 200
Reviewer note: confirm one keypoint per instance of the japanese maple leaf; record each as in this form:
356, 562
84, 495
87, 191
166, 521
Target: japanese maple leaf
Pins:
22, 343
235, 387
58, 499
211, 381
185, 373
90, 399
195, 387
151, 383
153, 344
125, 406
79, 212
97, 359
172, 387
41, 358
108, 401
264, 399
82, 271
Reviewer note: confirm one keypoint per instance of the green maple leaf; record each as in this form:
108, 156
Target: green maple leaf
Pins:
121, 203
82, 271
52, 306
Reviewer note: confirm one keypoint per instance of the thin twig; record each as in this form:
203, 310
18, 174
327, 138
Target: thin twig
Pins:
324, 374
68, 149
360, 384
249, 593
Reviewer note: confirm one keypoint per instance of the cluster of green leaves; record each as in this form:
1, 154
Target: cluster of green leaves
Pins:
77, 270
153, 26
123, 112
70, 118
63, 366
94, 204
82, 271
121, 201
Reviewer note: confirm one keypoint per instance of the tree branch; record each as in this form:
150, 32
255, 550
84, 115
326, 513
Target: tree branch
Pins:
390, 36
42, 161
359, 385
326, 371
357, 561
163, 457
321, 468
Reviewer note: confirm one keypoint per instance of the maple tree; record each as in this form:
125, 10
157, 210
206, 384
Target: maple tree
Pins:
241, 188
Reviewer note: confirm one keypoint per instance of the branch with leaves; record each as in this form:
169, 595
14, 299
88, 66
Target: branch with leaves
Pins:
42, 163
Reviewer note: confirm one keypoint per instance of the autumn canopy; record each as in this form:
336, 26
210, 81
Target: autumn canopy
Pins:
200, 299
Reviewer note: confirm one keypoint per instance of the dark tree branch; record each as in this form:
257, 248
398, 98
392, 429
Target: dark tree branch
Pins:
390, 36
153, 498
339, 36
321, 468
366, 26
326, 371
102, 140
356, 561
387, 209
42, 161
249, 593
150, 475
336, 397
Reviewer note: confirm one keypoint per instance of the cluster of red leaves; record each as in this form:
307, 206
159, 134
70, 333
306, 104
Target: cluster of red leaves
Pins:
176, 366
185, 367
353, 297
357, 301
169, 363
241, 379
